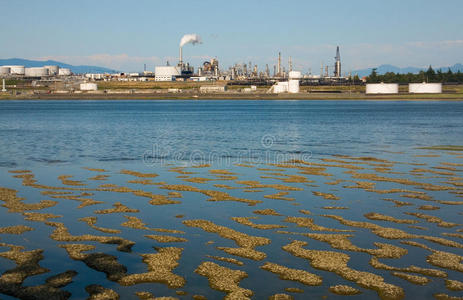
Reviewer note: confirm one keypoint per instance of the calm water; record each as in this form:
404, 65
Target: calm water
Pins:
53, 138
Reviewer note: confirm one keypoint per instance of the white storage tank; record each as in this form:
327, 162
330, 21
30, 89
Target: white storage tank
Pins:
64, 72
295, 75
17, 70
293, 86
36, 72
425, 88
88, 87
52, 70
280, 87
382, 88
4, 70
166, 73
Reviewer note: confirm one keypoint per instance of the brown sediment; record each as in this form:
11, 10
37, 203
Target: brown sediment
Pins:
225, 280
179, 216
337, 262
309, 223
19, 171
181, 170
384, 232
83, 201
28, 265
246, 242
15, 204
415, 279
201, 166
423, 197
135, 223
149, 296
327, 196
99, 177
226, 177
39, 217
55, 193
253, 191
398, 203
294, 290
62, 234
257, 185
433, 219
458, 235
197, 179
279, 196
160, 266
281, 297
344, 290
138, 174
64, 180
454, 285
225, 186
446, 260
180, 188
175, 195
247, 221
244, 165
223, 196
374, 177
94, 170
335, 182
91, 221
295, 179
427, 155
155, 199
381, 217
335, 207
118, 208
420, 170
375, 263
305, 212
166, 238
181, 293
97, 292
142, 181
442, 296
450, 202
221, 172
417, 227
293, 274
17, 229
267, 212
227, 259
428, 207
168, 230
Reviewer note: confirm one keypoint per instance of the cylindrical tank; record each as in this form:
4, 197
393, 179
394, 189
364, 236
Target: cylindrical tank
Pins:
382, 88
36, 72
293, 86
425, 88
52, 70
17, 70
64, 72
88, 87
5, 70
295, 75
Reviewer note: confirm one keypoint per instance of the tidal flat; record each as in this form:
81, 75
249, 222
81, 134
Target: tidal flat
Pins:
373, 222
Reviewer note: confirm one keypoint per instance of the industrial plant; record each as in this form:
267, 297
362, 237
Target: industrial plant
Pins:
279, 78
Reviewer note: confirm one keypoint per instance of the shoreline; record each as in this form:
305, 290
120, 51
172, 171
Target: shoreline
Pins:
233, 96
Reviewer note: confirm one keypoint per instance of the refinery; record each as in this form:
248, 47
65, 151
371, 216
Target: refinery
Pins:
210, 77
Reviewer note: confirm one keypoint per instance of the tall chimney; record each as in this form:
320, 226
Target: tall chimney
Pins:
279, 64
180, 60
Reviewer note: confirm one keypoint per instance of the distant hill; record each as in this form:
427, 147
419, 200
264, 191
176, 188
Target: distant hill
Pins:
39, 63
382, 69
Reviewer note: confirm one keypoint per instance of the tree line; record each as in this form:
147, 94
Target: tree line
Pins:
429, 75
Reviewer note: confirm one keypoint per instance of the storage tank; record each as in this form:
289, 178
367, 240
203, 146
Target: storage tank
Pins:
36, 72
64, 72
52, 70
293, 86
425, 88
88, 87
295, 75
5, 70
382, 88
17, 70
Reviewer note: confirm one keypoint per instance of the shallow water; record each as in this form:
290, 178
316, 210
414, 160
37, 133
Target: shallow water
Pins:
328, 145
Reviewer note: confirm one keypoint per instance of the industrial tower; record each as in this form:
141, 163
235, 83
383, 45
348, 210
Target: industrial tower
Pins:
337, 64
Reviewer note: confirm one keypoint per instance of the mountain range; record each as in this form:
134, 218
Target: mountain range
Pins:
382, 69
40, 63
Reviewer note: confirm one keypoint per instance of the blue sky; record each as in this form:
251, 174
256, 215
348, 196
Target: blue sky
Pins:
126, 34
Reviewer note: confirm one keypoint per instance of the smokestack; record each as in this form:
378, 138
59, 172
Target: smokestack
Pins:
290, 64
279, 64
186, 39
180, 58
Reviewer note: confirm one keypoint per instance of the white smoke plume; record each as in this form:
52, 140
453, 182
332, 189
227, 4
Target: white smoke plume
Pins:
190, 38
